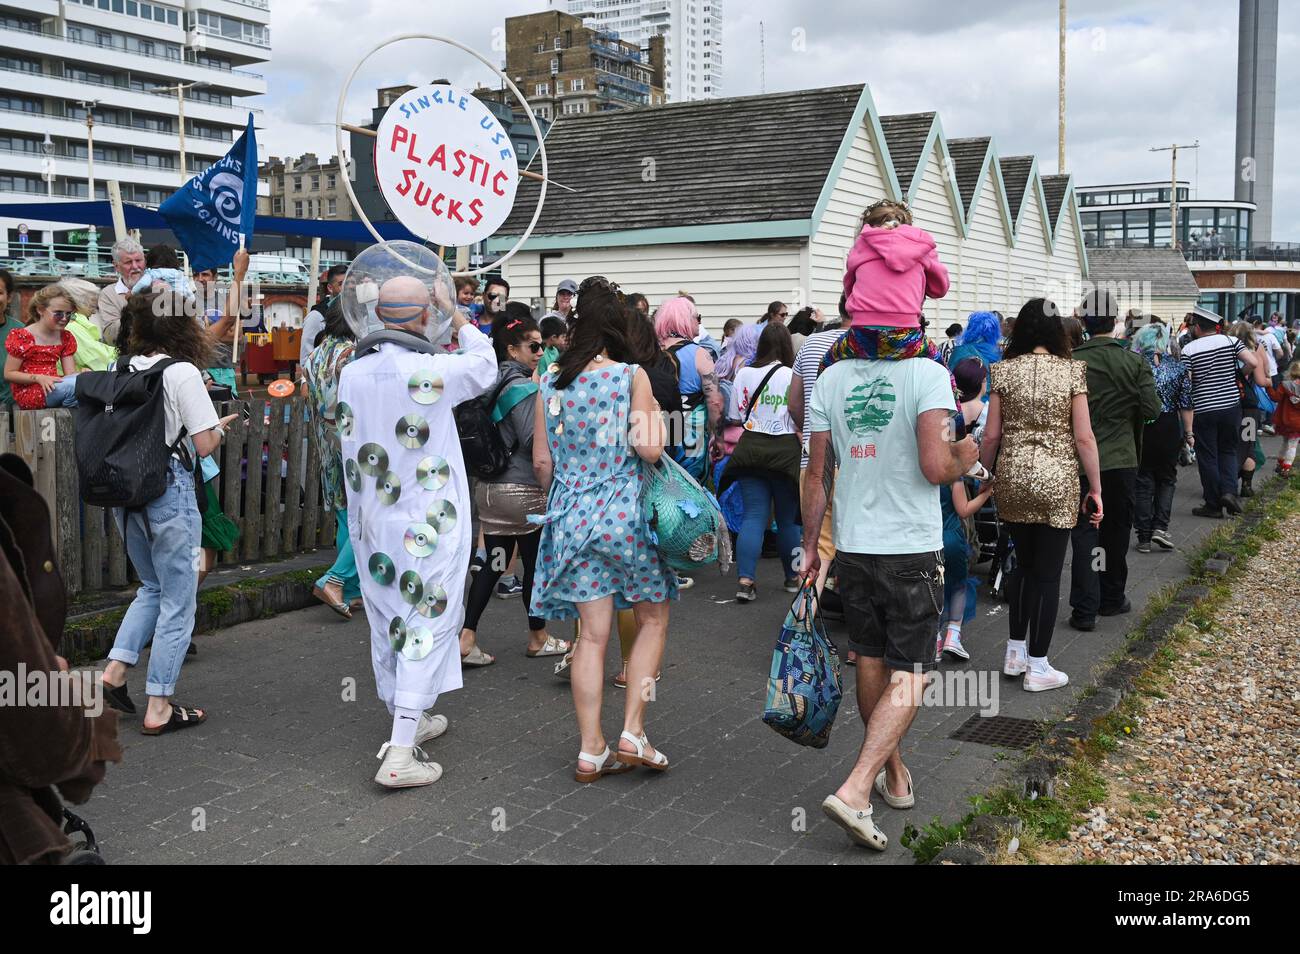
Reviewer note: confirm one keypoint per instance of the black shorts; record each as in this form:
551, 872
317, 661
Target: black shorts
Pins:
892, 606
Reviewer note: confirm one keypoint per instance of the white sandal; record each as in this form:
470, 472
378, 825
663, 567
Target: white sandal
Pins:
892, 800
659, 762
604, 766
552, 647
858, 823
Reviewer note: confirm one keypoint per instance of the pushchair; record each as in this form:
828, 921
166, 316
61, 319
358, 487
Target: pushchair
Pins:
995, 548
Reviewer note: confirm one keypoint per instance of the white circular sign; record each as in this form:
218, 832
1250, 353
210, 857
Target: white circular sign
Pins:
22, 228
445, 165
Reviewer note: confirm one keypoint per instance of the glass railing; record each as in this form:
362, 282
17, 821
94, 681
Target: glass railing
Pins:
152, 56
1224, 252
263, 39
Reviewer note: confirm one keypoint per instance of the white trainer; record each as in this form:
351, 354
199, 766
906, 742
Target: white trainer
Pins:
952, 644
1039, 679
1016, 662
430, 728
406, 766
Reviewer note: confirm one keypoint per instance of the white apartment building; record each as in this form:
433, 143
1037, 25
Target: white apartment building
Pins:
121, 59
692, 31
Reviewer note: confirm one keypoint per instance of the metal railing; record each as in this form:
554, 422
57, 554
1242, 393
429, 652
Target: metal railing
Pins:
80, 121
66, 260
141, 166
121, 49
127, 88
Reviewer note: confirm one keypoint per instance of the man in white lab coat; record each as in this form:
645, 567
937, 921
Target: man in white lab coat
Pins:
409, 513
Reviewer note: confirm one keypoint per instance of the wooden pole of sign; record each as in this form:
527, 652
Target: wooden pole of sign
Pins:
115, 204
239, 321
526, 173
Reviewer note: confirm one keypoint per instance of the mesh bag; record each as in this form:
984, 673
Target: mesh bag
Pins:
685, 518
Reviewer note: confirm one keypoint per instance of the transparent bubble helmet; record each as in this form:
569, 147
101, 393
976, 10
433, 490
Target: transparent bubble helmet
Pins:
377, 264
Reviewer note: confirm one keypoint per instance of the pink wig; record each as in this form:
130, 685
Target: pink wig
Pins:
676, 318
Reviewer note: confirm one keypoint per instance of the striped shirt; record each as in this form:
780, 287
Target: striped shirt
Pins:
1213, 363
806, 364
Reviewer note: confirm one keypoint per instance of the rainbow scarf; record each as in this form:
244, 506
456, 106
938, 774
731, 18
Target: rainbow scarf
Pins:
885, 344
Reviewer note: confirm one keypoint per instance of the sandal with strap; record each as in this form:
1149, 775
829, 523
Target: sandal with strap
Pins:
892, 800
659, 762
857, 822
340, 607
476, 658
605, 765
118, 698
181, 718
552, 647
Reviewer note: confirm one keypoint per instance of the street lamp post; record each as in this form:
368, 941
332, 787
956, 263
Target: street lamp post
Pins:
92, 237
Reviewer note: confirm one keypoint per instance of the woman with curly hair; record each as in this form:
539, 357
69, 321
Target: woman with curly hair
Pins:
163, 536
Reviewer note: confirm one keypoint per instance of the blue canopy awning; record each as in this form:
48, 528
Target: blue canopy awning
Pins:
100, 215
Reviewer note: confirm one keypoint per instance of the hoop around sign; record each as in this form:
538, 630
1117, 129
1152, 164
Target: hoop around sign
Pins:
445, 165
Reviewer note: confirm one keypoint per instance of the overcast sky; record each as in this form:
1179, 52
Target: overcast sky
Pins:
1140, 73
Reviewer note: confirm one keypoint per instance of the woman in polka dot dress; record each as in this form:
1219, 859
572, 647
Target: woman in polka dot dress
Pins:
597, 554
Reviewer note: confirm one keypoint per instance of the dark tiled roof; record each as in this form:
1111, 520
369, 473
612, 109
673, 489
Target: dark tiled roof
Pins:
1164, 268
905, 135
743, 159
967, 160
1015, 176
1054, 191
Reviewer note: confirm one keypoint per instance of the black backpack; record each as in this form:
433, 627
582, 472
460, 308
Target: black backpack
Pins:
485, 453
121, 445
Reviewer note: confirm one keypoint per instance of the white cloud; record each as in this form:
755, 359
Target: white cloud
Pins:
1140, 74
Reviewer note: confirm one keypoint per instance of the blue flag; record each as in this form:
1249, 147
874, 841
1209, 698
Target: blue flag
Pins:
210, 212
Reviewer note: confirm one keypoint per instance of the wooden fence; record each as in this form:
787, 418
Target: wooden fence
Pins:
269, 486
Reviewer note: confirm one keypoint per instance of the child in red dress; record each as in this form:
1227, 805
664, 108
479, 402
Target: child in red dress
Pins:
40, 368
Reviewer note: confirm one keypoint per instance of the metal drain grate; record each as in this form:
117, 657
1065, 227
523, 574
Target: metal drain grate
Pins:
1003, 732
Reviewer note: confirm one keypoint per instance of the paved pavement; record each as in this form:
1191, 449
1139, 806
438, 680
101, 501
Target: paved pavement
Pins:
283, 770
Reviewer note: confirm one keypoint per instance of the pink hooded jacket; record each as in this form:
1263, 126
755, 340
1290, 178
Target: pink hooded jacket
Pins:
890, 273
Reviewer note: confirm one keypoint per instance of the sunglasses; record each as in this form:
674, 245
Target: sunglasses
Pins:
535, 347
60, 315
784, 314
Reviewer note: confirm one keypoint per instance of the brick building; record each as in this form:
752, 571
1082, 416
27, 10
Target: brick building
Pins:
565, 68
305, 188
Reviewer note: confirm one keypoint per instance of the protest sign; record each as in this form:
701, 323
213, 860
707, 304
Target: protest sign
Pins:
445, 165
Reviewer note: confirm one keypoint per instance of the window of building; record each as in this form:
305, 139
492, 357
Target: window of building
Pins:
330, 181
555, 66
577, 84
315, 183
277, 205
1111, 228
521, 149
332, 207
297, 210
558, 44
542, 89
297, 183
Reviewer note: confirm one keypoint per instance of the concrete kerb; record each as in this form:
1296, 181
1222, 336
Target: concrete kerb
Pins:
88, 638
1037, 774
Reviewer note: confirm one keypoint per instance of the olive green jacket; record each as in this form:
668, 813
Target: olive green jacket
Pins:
1121, 399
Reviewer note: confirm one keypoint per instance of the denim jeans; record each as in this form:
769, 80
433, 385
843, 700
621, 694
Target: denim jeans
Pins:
344, 569
64, 393
1155, 501
762, 495
167, 565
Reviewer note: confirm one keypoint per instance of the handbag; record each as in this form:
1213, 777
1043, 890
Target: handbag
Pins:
803, 685
684, 518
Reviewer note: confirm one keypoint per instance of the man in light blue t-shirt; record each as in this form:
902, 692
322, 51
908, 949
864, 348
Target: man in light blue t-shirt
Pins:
889, 425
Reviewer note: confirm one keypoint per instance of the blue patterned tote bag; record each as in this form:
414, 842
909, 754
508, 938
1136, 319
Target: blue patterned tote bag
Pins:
803, 687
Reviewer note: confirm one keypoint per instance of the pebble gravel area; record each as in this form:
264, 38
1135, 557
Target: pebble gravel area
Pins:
1210, 774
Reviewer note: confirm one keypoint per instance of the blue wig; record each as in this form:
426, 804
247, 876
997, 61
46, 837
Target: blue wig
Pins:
982, 327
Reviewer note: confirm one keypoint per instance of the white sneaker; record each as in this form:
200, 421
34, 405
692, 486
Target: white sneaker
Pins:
1016, 662
952, 645
1038, 680
430, 728
406, 766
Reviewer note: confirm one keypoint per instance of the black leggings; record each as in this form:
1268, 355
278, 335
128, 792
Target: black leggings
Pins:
1035, 587
500, 551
